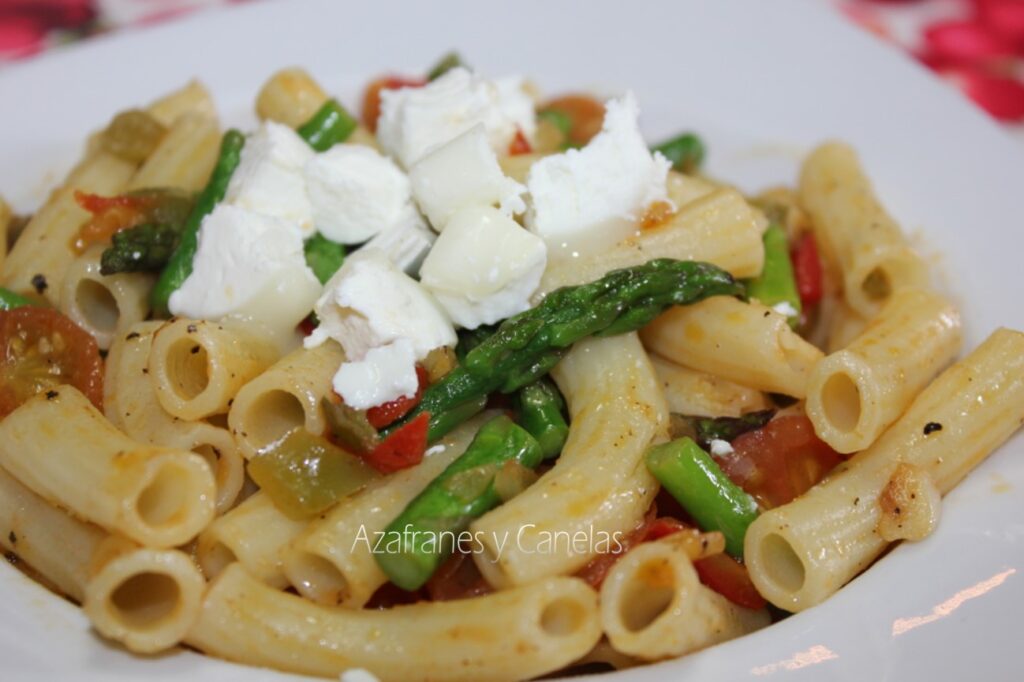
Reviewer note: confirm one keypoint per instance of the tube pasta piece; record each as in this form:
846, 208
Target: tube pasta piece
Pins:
291, 96
145, 598
104, 305
695, 393
285, 396
865, 242
52, 542
684, 189
910, 505
184, 157
743, 342
332, 561
192, 98
130, 403
604, 653
802, 552
855, 393
719, 228
654, 606
510, 635
198, 366
45, 247
254, 534
599, 486
844, 326
61, 447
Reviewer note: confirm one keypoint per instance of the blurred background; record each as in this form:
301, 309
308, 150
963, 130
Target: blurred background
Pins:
975, 45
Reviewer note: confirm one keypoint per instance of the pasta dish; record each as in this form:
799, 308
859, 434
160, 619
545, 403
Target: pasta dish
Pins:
478, 385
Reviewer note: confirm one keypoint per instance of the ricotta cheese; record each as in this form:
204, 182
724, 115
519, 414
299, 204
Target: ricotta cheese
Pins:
269, 178
461, 173
721, 448
243, 258
370, 303
386, 373
405, 244
356, 193
595, 195
414, 121
484, 267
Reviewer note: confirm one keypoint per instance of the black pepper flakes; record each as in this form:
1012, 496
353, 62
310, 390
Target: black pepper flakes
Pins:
195, 349
191, 329
12, 537
932, 427
133, 335
51, 394
39, 283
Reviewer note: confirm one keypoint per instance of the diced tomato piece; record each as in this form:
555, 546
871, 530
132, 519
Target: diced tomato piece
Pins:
780, 461
307, 326
109, 215
41, 349
403, 448
662, 527
371, 98
392, 411
585, 114
519, 144
807, 270
390, 595
729, 578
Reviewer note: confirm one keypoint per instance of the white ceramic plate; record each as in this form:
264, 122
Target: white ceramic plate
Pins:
763, 82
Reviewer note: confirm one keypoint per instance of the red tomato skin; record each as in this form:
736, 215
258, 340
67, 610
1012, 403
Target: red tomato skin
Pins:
808, 271
519, 144
371, 98
729, 578
403, 448
390, 412
780, 461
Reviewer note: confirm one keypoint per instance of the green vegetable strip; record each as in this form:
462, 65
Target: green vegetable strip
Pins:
541, 409
423, 536
444, 65
729, 428
330, 125
442, 423
10, 300
179, 267
776, 284
707, 494
686, 152
526, 346
323, 256
559, 119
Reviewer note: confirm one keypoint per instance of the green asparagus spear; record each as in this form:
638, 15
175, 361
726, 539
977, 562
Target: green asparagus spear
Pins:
686, 152
526, 346
179, 267
777, 284
323, 256
424, 534
540, 412
443, 422
705, 492
10, 300
330, 125
143, 248
444, 65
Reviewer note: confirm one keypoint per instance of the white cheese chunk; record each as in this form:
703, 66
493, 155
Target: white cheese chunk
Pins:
384, 374
370, 303
786, 308
460, 173
721, 448
414, 121
269, 178
357, 193
596, 194
484, 267
248, 264
405, 244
